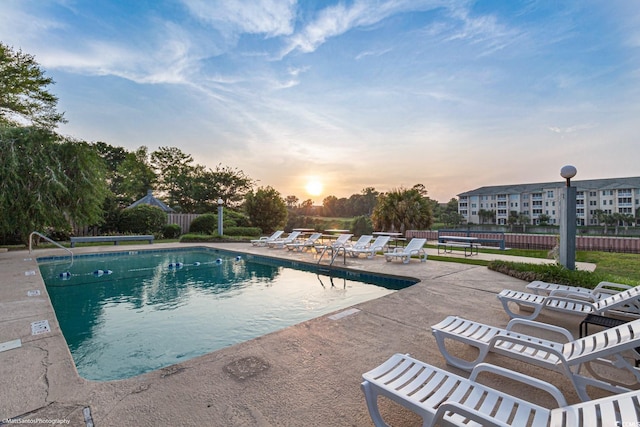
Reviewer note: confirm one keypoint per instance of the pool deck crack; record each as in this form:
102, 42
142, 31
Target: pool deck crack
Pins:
45, 363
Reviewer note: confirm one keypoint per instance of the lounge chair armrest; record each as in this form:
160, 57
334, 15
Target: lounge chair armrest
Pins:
590, 297
520, 377
610, 287
528, 344
465, 411
539, 325
551, 299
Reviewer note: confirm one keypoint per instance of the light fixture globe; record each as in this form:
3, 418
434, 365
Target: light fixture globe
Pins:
220, 201
568, 171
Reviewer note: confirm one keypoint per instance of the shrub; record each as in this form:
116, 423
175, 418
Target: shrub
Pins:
197, 238
204, 224
552, 273
266, 209
171, 231
143, 219
242, 231
235, 219
361, 225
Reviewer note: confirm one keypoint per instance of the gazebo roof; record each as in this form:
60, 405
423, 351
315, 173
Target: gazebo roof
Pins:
150, 200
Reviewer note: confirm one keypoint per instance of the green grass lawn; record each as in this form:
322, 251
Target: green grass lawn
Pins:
610, 266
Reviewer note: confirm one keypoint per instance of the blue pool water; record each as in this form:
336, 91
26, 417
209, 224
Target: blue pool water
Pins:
128, 313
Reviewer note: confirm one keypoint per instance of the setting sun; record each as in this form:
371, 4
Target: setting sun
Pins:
314, 187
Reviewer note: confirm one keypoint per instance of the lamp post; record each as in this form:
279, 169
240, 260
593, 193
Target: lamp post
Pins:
568, 220
220, 228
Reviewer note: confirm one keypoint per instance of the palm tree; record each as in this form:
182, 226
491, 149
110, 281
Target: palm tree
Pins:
402, 210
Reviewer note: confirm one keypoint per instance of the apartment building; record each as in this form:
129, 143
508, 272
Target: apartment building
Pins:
621, 195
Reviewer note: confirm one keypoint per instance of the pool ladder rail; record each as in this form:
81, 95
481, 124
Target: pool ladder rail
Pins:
42, 236
334, 252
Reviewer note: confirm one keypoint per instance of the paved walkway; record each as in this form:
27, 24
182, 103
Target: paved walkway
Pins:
305, 375
588, 266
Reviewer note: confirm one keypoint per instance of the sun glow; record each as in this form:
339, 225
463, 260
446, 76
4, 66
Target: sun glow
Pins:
314, 187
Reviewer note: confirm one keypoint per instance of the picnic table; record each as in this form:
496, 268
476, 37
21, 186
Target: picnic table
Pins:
447, 243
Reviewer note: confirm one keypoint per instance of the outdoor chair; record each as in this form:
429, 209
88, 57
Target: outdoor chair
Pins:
414, 247
444, 398
602, 290
625, 303
304, 245
370, 250
280, 243
607, 347
262, 241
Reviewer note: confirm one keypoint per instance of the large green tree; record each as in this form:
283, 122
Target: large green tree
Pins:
266, 209
47, 181
24, 98
192, 188
175, 170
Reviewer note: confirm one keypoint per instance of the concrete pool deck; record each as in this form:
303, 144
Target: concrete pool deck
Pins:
308, 374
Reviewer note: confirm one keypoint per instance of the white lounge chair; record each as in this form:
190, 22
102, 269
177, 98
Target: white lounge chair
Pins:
624, 303
414, 247
266, 239
337, 245
280, 243
606, 347
603, 289
361, 243
444, 398
306, 244
370, 250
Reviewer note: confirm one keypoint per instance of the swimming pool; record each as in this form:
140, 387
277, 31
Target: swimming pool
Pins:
126, 313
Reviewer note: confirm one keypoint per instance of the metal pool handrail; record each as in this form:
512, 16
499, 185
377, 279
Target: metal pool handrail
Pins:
49, 240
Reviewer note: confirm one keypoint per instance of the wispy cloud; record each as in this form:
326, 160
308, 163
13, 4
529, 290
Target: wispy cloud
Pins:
376, 53
338, 19
269, 17
571, 129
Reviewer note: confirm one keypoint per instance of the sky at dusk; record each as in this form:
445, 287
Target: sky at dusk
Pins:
454, 95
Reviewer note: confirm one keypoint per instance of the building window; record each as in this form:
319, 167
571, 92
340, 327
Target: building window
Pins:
550, 194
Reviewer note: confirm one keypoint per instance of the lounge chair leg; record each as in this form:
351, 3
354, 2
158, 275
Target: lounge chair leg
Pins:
456, 361
371, 397
513, 315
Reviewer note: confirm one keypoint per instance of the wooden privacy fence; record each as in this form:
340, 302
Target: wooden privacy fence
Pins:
548, 241
183, 220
